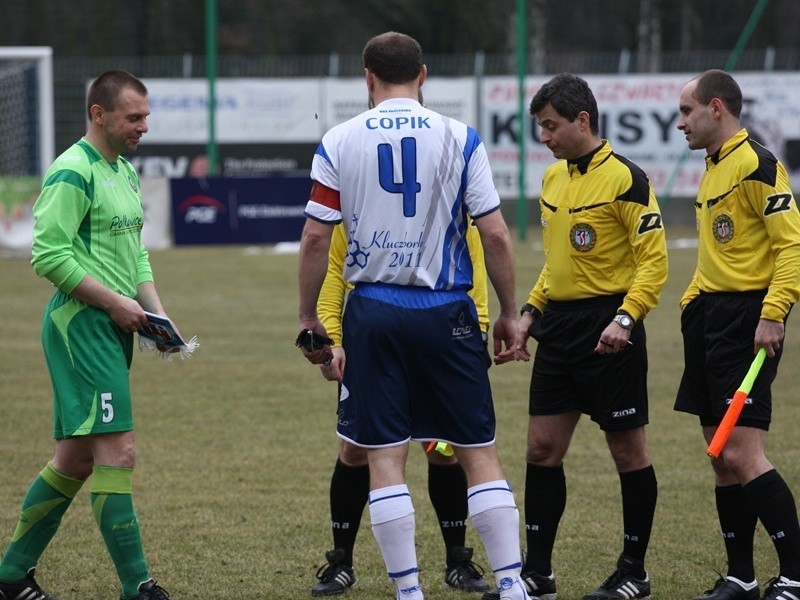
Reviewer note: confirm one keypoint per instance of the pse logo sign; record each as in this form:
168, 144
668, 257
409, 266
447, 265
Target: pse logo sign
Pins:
201, 209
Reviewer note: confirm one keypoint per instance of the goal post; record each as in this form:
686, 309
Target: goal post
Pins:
16, 64
27, 140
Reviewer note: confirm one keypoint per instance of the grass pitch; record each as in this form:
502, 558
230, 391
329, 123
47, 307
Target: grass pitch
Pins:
236, 447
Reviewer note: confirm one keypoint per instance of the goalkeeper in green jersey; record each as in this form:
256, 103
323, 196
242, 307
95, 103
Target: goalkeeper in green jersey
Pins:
87, 242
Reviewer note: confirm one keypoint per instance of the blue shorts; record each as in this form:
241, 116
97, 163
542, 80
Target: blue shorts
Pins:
416, 369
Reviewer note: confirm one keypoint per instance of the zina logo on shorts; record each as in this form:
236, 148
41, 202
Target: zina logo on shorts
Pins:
625, 412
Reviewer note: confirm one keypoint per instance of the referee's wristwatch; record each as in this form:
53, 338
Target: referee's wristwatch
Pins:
624, 320
530, 308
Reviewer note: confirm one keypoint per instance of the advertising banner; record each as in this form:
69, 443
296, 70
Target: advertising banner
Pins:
245, 210
454, 97
639, 115
235, 160
249, 110
267, 126
264, 126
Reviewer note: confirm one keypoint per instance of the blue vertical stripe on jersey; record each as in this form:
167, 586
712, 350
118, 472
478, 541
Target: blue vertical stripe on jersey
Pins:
472, 142
321, 152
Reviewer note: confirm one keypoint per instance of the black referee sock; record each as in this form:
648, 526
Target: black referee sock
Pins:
639, 493
775, 506
545, 499
349, 493
737, 520
447, 488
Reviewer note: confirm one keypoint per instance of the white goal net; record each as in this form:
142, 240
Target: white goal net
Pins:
27, 140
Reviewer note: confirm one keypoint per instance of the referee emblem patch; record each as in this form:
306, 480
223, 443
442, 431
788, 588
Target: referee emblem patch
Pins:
722, 228
582, 237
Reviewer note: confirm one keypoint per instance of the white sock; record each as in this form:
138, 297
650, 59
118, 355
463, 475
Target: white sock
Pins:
495, 516
743, 584
393, 525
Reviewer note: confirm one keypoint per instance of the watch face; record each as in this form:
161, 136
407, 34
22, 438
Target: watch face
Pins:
624, 320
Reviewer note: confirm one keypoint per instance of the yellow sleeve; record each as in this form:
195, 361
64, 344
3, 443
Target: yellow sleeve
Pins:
649, 247
778, 210
537, 298
330, 305
692, 292
480, 291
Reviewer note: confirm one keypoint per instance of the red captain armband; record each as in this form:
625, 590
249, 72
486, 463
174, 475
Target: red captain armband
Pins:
322, 194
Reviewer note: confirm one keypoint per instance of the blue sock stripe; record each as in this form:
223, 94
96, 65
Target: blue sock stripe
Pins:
399, 574
516, 565
371, 501
506, 489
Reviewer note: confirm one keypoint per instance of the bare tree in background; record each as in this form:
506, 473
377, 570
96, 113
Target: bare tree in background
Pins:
538, 39
648, 57
686, 26
99, 28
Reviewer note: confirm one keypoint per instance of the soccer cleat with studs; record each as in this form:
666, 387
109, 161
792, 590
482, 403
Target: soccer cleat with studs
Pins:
463, 574
148, 590
335, 577
26, 589
623, 584
782, 588
730, 588
538, 587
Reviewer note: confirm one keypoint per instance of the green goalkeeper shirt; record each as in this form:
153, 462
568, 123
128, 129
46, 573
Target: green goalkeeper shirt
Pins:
89, 219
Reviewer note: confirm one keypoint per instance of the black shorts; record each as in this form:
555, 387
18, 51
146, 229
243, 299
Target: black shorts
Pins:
718, 331
569, 375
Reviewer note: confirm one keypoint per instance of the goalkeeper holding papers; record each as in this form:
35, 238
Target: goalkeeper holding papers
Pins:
87, 242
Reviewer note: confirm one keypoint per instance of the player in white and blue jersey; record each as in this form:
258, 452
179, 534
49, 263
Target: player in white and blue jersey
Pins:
403, 180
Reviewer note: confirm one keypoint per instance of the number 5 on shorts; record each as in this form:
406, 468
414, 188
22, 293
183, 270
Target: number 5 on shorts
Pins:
106, 407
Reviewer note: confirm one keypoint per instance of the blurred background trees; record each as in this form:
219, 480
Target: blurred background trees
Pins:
94, 28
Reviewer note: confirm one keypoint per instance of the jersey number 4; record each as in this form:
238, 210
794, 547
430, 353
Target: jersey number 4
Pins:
408, 186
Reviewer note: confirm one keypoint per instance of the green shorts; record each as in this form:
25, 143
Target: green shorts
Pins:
89, 361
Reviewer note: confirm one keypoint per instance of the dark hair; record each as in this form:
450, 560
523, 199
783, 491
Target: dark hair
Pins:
719, 84
104, 91
569, 95
393, 57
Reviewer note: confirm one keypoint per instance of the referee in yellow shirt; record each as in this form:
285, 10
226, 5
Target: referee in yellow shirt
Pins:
606, 263
746, 281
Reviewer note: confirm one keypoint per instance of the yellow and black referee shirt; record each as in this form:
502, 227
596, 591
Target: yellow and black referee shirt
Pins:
748, 227
602, 233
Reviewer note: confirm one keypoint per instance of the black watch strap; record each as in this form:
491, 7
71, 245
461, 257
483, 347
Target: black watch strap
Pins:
530, 308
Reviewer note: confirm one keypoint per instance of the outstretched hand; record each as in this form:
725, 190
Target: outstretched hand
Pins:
333, 370
504, 333
523, 333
